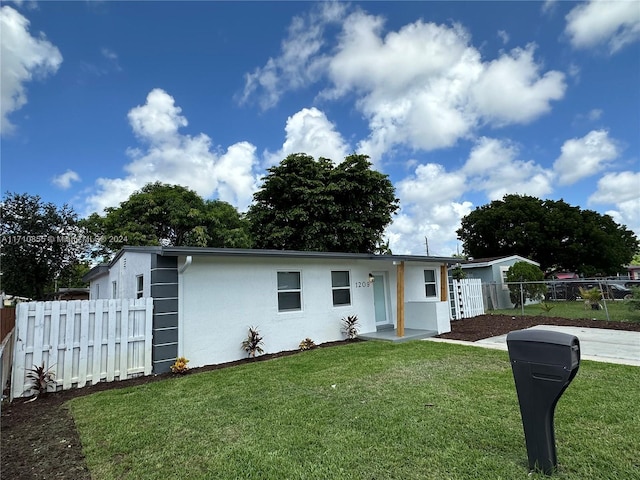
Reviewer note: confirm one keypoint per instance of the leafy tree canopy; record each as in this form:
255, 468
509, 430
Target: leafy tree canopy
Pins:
521, 272
312, 205
168, 215
40, 244
553, 233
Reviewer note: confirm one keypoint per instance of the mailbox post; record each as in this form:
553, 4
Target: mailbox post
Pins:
543, 364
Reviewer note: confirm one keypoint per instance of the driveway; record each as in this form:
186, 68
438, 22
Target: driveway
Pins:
599, 344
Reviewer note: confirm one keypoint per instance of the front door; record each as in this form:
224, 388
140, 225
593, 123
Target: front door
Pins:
380, 300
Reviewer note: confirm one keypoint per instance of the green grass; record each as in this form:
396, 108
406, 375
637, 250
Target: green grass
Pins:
368, 410
618, 311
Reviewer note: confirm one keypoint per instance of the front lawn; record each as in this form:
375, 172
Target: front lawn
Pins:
368, 410
618, 310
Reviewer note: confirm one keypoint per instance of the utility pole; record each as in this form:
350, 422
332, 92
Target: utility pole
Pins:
426, 243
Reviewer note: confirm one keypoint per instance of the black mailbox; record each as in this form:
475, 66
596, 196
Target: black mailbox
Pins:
543, 364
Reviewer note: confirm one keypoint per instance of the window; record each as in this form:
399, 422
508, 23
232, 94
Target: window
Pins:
139, 286
503, 277
97, 291
341, 288
114, 289
430, 283
289, 291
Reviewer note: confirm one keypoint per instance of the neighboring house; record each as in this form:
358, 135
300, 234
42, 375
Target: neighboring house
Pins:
493, 273
70, 293
205, 299
634, 272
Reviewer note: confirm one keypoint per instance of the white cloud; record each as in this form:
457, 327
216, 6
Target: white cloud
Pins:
617, 187
504, 36
614, 23
310, 131
549, 6
493, 167
430, 208
22, 57
594, 114
434, 200
423, 86
412, 85
171, 157
621, 189
65, 179
585, 157
299, 62
511, 89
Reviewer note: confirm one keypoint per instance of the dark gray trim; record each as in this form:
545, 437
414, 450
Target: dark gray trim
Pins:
164, 345
95, 272
165, 320
163, 252
163, 290
241, 252
165, 335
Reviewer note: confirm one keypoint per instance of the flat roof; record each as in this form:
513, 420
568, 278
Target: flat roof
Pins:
258, 253
250, 252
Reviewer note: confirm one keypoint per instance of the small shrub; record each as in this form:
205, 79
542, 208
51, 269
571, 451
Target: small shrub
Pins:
592, 296
307, 344
634, 302
41, 380
180, 366
350, 327
253, 342
547, 307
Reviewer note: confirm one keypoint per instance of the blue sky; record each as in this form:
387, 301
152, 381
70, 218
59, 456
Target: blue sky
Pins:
458, 102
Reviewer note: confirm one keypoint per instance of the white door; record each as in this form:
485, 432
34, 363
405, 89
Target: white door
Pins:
380, 299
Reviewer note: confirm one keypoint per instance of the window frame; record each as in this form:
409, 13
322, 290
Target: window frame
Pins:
429, 283
289, 291
503, 276
114, 289
139, 286
335, 288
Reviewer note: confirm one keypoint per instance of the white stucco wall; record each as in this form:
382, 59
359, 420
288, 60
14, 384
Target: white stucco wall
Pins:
221, 297
125, 272
99, 287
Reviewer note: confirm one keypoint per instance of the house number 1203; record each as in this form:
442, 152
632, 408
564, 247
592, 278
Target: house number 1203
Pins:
363, 284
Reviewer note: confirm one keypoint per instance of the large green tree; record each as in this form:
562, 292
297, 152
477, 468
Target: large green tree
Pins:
308, 204
553, 233
40, 244
525, 275
168, 215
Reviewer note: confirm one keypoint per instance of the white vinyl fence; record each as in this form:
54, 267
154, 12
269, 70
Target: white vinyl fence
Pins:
82, 341
467, 299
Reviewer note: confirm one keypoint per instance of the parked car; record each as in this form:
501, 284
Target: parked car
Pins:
562, 276
571, 290
562, 291
617, 291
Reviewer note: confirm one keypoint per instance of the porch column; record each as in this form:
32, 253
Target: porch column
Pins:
444, 283
400, 298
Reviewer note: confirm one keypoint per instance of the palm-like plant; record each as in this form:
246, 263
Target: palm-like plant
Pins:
593, 296
252, 344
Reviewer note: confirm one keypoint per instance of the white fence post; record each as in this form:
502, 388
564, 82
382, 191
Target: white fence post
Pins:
82, 341
467, 298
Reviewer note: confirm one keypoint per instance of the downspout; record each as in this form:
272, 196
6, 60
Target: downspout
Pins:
400, 298
181, 270
186, 264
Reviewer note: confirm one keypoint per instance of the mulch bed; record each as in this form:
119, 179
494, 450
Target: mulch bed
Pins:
39, 439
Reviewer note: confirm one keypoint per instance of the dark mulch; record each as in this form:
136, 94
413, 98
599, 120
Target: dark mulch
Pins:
39, 439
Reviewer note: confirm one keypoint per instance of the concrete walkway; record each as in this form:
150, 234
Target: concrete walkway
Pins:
599, 344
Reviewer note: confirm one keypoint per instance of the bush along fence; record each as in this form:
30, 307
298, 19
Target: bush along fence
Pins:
467, 300
82, 342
